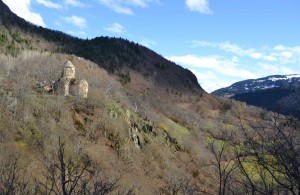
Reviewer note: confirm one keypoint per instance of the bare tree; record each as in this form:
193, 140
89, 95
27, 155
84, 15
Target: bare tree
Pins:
223, 159
178, 185
46, 74
65, 174
274, 146
11, 180
73, 174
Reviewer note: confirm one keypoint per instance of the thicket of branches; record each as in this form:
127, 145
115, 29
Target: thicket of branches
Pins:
63, 173
261, 158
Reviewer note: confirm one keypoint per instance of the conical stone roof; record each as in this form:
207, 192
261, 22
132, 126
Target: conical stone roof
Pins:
69, 64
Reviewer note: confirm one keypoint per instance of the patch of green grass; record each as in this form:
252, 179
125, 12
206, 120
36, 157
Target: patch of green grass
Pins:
174, 129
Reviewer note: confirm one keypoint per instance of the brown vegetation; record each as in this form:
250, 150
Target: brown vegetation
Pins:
145, 128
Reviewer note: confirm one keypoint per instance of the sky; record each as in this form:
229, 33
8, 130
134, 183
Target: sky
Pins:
220, 41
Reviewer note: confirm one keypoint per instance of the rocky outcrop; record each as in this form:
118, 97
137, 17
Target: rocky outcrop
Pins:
133, 133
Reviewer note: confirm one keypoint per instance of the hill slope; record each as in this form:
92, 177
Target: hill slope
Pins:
114, 54
140, 122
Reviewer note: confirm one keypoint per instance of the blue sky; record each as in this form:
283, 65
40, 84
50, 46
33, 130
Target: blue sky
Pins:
221, 41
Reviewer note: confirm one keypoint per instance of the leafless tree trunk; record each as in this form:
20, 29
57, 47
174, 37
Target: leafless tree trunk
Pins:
66, 174
274, 145
69, 174
11, 180
223, 159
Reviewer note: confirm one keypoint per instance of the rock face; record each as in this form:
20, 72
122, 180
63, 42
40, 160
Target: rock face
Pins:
71, 85
134, 135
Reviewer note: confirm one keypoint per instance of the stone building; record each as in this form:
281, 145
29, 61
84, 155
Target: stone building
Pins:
71, 85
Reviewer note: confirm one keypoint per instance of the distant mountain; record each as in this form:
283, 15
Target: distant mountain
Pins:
252, 85
278, 93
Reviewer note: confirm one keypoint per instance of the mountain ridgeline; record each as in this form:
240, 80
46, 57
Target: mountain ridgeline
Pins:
279, 93
116, 55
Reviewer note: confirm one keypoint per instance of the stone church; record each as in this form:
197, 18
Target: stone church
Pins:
71, 85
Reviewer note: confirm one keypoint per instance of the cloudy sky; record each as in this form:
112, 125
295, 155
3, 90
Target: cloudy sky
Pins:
221, 41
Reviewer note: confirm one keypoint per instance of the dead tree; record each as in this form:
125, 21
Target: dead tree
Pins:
223, 159
65, 174
11, 179
274, 145
69, 174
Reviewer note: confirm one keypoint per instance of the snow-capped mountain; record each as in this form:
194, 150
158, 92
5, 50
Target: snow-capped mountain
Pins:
279, 93
291, 81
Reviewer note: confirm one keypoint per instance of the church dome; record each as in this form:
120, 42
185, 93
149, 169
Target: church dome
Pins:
69, 64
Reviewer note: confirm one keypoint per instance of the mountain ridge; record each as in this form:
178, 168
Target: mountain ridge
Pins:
278, 93
268, 82
116, 55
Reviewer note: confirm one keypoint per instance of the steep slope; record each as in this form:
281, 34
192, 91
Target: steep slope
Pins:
139, 122
149, 140
277, 93
116, 55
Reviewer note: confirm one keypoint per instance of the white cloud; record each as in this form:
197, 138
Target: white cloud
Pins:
77, 34
22, 9
229, 70
82, 33
286, 54
256, 55
295, 49
212, 70
147, 42
225, 46
280, 47
115, 28
125, 7
199, 62
274, 69
212, 86
201, 6
57, 23
239, 63
209, 81
215, 63
49, 4
207, 75
235, 59
270, 58
75, 3
77, 21
237, 50
233, 48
